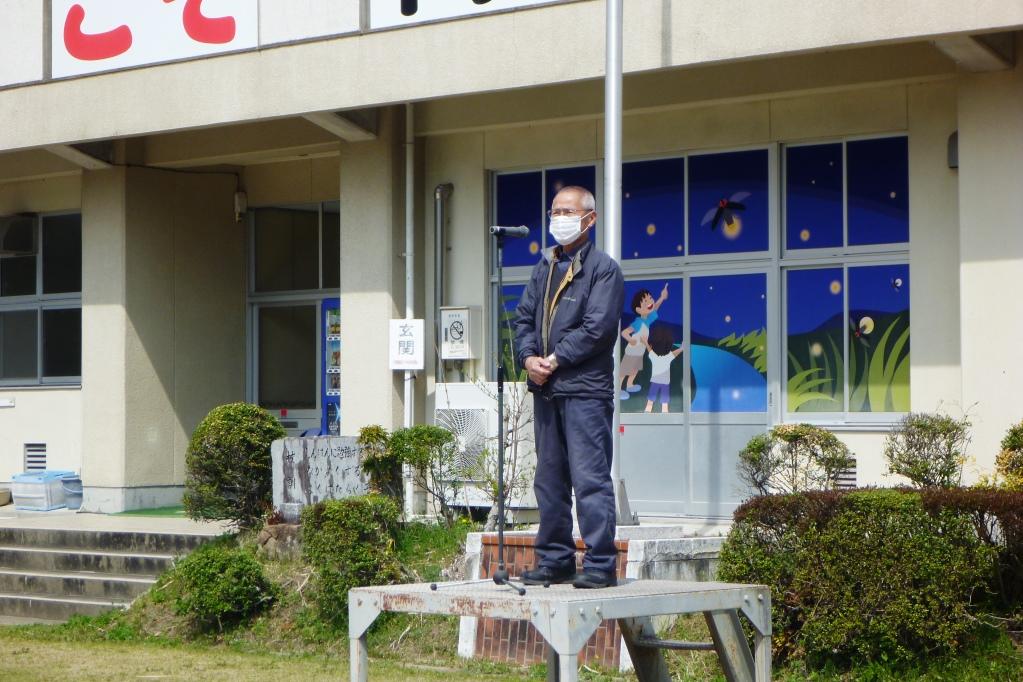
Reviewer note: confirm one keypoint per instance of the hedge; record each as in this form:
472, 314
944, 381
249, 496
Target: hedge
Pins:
879, 575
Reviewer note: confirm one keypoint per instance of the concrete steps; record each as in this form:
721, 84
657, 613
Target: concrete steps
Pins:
51, 575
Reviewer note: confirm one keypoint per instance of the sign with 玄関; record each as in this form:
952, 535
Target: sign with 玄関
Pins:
388, 13
407, 345
102, 35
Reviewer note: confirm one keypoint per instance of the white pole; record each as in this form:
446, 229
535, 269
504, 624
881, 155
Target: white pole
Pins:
410, 291
613, 212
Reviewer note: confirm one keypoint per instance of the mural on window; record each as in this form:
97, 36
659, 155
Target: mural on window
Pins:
878, 191
651, 374
519, 202
879, 338
815, 329
728, 332
653, 208
728, 202
506, 331
813, 196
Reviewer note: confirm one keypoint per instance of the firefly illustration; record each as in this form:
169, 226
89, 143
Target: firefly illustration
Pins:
896, 284
861, 331
725, 210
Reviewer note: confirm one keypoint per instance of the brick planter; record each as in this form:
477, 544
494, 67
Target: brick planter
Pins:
514, 641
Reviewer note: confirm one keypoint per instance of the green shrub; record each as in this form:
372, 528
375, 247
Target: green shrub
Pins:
793, 458
997, 517
380, 463
929, 449
860, 576
221, 586
228, 465
349, 543
1009, 462
432, 454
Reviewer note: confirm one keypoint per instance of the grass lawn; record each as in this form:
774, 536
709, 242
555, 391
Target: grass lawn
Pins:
28, 659
168, 512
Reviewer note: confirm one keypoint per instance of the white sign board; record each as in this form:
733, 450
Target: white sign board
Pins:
407, 344
102, 35
387, 13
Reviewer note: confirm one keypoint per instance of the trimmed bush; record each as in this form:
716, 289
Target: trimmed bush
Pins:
221, 586
1009, 462
379, 462
861, 576
792, 458
228, 465
349, 543
929, 449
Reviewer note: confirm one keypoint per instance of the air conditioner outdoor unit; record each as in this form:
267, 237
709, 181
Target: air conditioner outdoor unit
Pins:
469, 411
17, 235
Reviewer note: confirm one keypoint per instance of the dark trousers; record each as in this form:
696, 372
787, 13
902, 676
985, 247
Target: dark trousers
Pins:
573, 450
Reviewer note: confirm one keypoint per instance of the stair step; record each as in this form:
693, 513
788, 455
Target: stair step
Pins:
69, 560
54, 608
88, 585
114, 541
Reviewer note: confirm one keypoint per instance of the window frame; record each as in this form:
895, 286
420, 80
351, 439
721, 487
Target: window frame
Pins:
293, 297
40, 302
776, 261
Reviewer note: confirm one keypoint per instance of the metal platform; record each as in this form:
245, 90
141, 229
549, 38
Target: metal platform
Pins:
566, 617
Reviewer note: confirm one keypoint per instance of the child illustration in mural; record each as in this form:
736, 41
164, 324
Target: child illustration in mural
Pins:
662, 350
637, 335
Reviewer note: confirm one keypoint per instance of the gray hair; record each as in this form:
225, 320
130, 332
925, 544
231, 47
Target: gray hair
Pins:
589, 203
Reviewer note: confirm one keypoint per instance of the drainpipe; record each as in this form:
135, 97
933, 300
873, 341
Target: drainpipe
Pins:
440, 195
613, 215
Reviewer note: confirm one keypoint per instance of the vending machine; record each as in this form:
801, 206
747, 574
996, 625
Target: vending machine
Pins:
330, 316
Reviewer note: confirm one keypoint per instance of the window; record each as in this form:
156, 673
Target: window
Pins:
40, 300
702, 225
847, 346
296, 248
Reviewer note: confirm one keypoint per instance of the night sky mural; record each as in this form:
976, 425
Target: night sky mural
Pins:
736, 178
653, 208
813, 196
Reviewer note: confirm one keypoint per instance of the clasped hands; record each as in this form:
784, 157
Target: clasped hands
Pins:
540, 369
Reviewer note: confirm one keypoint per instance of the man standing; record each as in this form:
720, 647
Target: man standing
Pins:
565, 330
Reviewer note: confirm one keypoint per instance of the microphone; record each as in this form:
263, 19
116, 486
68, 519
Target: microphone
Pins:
499, 231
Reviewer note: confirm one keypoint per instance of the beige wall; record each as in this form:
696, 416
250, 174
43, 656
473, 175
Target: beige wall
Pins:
926, 109
293, 182
372, 275
163, 326
21, 41
991, 248
41, 415
414, 64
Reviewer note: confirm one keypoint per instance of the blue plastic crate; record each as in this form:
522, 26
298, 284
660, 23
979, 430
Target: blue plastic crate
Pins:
39, 490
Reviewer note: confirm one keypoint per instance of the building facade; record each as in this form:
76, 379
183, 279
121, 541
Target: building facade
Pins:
821, 198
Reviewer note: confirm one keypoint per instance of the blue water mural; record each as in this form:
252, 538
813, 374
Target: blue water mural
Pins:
725, 382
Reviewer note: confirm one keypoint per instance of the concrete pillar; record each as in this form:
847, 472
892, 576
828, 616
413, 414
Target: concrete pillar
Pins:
163, 328
372, 275
991, 253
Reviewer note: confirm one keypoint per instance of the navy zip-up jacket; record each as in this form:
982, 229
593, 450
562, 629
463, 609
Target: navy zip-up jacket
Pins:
583, 327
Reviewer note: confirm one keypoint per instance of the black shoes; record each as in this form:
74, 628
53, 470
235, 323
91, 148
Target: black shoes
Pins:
591, 580
545, 575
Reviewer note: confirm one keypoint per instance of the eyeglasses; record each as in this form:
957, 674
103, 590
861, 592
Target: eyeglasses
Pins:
556, 212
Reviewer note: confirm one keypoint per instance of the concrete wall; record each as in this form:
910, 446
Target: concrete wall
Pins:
925, 106
991, 251
163, 326
385, 67
41, 415
372, 275
21, 35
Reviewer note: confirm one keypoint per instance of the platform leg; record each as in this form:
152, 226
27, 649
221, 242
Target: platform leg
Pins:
763, 658
363, 609
359, 659
730, 643
648, 663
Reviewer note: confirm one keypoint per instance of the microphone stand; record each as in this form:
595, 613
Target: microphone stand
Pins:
501, 576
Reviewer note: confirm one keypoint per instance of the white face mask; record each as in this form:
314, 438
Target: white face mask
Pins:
567, 228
